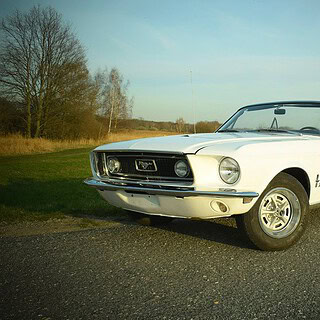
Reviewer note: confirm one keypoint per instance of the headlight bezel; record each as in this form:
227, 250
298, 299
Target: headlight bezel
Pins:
116, 164
186, 166
93, 163
228, 163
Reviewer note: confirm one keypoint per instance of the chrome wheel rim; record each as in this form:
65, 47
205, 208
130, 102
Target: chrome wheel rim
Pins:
279, 213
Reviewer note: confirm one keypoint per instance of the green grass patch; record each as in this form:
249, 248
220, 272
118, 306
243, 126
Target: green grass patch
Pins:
45, 186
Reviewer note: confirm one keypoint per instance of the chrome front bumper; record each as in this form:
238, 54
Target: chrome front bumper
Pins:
174, 191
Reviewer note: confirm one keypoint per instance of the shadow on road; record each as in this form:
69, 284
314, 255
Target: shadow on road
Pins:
223, 230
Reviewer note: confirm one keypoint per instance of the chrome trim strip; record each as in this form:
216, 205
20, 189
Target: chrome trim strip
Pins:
145, 152
146, 183
135, 177
188, 192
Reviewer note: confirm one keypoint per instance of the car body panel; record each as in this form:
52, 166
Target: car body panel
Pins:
200, 207
260, 155
191, 143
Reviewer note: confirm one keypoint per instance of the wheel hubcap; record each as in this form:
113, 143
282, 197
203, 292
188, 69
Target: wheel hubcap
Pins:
279, 213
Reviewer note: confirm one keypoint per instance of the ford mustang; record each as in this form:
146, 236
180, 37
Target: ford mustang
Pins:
261, 166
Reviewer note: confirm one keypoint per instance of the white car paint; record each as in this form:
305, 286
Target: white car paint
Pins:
261, 157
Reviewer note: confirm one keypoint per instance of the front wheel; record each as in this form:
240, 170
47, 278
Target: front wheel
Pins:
279, 217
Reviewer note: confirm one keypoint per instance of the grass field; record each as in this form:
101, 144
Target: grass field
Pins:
39, 184
45, 186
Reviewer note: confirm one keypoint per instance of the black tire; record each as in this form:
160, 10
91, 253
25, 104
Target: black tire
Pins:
279, 217
148, 220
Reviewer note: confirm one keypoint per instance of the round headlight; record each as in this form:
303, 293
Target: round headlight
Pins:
113, 165
229, 170
181, 169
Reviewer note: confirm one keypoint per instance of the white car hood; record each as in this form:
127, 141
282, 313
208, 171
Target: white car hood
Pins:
191, 144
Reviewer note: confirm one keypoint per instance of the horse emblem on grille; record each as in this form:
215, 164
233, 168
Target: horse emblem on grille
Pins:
146, 165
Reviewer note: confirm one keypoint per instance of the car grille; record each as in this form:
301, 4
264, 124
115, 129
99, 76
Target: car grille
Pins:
164, 165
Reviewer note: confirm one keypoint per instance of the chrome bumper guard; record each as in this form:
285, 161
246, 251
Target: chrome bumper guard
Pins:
179, 191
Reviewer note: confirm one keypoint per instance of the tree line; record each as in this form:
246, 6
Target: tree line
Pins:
46, 89
179, 126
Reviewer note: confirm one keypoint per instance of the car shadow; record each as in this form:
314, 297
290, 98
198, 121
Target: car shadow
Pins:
222, 230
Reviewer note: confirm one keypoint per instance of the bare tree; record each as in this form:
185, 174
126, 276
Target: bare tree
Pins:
207, 126
180, 125
38, 53
113, 97
72, 105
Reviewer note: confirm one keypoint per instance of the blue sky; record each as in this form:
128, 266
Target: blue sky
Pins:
240, 51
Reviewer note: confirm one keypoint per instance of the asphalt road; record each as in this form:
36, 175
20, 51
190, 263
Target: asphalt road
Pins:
188, 270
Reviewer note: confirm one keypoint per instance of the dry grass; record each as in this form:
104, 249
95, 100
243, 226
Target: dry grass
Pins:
18, 145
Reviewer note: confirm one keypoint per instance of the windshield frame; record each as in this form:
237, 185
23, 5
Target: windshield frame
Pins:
228, 125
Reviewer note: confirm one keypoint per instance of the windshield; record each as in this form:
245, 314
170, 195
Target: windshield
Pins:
295, 118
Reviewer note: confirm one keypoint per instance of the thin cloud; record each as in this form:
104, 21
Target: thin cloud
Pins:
154, 34
123, 45
244, 27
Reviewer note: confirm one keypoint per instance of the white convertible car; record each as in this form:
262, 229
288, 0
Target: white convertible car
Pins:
261, 166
